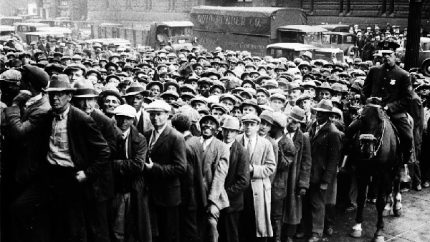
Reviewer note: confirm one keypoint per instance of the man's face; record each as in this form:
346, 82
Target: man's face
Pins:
324, 94
250, 128
228, 103
135, 101
217, 113
123, 122
322, 117
229, 135
261, 98
204, 89
198, 105
310, 91
111, 70
389, 59
198, 70
110, 103
169, 99
158, 118
76, 75
59, 100
249, 109
292, 125
295, 94
209, 128
86, 104
155, 91
265, 128
277, 105
216, 91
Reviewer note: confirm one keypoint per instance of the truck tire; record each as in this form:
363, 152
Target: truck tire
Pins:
426, 67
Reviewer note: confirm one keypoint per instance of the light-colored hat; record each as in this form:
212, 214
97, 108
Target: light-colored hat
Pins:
231, 122
125, 110
278, 96
325, 106
250, 117
297, 114
279, 119
267, 116
158, 106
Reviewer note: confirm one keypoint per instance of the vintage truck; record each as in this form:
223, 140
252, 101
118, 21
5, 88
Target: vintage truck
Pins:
242, 28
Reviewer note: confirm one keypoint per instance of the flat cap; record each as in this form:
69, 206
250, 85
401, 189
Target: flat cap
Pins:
158, 106
125, 110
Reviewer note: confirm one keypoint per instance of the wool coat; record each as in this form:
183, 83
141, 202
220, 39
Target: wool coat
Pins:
298, 177
263, 162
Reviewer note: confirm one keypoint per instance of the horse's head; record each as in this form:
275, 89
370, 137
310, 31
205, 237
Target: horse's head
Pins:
371, 120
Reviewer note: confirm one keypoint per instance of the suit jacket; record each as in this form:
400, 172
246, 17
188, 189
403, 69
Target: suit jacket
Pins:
263, 161
169, 157
238, 177
144, 123
215, 167
23, 134
326, 153
88, 149
286, 154
393, 86
129, 177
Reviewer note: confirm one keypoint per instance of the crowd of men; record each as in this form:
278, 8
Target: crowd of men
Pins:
108, 143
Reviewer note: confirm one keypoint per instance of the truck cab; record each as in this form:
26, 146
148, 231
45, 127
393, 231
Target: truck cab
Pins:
178, 34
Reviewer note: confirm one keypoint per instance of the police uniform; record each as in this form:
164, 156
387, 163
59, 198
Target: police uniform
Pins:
393, 85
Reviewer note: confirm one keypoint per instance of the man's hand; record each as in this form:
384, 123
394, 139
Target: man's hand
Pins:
323, 186
80, 176
22, 97
213, 211
149, 164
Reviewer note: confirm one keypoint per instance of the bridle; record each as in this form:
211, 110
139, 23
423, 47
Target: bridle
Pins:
371, 138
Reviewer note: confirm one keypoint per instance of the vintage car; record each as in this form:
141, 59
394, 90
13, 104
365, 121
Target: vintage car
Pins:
6, 32
424, 56
342, 40
305, 34
10, 20
178, 34
22, 28
334, 55
49, 35
288, 50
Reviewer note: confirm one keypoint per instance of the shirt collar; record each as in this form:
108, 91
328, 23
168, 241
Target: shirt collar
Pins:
229, 144
125, 134
160, 130
138, 114
63, 115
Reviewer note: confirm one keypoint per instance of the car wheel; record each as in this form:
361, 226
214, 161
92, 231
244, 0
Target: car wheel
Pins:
426, 68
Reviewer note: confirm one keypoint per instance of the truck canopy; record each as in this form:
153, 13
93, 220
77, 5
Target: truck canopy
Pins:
262, 21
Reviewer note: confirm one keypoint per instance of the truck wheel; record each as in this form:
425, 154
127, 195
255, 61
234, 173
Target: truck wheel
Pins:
426, 68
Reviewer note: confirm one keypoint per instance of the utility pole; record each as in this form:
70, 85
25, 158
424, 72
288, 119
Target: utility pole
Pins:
413, 35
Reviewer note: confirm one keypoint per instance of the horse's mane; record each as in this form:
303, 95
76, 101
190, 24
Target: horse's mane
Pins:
372, 118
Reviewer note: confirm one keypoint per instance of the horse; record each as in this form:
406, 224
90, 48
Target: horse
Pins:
376, 155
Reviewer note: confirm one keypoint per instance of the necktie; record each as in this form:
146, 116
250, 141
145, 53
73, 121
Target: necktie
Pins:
248, 148
153, 140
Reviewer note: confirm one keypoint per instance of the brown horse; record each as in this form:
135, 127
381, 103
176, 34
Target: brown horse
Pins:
376, 157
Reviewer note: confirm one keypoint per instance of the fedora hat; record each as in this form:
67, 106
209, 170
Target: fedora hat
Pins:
84, 89
59, 83
297, 114
324, 105
134, 89
231, 123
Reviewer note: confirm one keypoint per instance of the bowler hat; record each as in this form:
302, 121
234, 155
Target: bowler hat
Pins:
59, 83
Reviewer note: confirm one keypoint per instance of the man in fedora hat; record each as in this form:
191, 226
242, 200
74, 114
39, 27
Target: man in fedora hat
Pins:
22, 148
165, 167
77, 159
299, 172
134, 97
326, 149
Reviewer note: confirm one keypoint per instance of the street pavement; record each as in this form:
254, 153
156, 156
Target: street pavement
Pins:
413, 225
